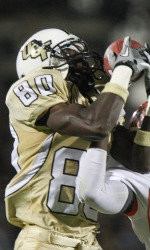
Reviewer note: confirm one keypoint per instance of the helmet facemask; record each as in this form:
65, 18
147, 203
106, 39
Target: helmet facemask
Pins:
85, 67
80, 66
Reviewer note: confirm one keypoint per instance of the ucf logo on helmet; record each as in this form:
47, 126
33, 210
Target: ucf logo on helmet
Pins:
34, 50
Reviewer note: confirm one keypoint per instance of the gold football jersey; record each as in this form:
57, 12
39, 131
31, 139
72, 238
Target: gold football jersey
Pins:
43, 190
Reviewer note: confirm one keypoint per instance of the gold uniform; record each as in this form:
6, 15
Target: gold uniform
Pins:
42, 193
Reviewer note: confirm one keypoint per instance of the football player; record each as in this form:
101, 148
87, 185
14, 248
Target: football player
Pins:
53, 119
118, 189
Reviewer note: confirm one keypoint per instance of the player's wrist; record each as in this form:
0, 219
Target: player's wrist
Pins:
116, 89
121, 76
125, 63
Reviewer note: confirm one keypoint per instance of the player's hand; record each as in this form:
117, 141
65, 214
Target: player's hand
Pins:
129, 57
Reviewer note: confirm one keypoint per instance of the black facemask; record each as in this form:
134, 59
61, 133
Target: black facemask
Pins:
83, 80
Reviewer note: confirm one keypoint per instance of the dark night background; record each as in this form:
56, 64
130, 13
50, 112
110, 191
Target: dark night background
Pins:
99, 23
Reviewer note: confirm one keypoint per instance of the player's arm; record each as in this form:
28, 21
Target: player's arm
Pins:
92, 122
97, 120
122, 146
95, 188
141, 147
133, 149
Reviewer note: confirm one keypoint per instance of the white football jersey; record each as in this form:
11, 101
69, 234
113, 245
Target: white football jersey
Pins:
140, 184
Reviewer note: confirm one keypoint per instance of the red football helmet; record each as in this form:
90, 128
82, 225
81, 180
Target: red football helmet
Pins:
138, 117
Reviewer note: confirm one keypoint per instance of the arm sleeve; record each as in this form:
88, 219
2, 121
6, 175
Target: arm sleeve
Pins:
95, 189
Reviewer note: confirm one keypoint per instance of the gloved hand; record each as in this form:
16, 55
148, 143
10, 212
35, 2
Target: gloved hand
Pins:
132, 58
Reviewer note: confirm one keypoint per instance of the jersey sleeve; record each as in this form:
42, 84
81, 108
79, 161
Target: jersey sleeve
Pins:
30, 97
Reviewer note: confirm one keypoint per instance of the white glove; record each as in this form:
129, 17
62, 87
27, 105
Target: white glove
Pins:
132, 58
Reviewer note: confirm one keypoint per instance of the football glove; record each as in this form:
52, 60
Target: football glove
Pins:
132, 58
